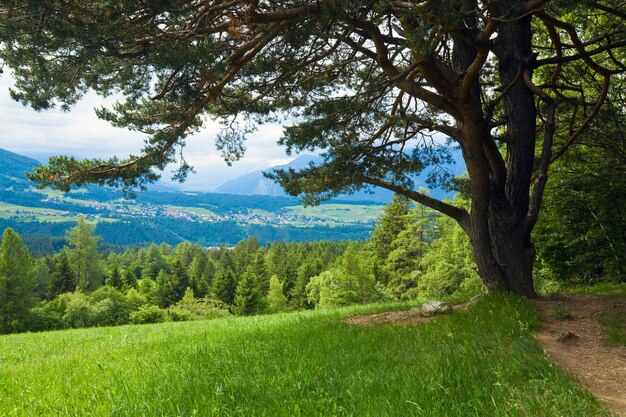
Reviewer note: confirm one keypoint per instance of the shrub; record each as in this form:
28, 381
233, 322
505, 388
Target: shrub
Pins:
45, 316
78, 312
191, 308
148, 314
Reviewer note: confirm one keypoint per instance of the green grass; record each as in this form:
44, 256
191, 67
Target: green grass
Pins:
41, 214
198, 211
344, 212
611, 289
561, 313
614, 327
480, 362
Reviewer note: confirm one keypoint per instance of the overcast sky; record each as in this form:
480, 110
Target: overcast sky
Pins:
81, 134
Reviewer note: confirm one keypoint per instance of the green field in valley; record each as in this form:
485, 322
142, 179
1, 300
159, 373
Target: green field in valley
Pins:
479, 362
39, 214
345, 212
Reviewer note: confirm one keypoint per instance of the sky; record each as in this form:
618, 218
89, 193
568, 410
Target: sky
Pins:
81, 134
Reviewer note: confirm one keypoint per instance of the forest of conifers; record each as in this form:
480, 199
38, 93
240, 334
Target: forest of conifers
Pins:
412, 253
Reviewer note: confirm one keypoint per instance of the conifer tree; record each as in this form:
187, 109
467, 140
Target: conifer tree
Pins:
115, 278
199, 271
309, 268
258, 266
392, 222
171, 287
63, 279
153, 262
224, 286
17, 282
247, 295
130, 279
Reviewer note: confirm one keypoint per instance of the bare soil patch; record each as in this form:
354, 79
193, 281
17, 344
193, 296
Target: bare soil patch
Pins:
412, 316
573, 339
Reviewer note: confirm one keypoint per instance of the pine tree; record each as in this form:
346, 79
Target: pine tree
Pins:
115, 278
392, 222
247, 295
276, 299
244, 252
311, 267
258, 266
197, 279
224, 286
17, 283
130, 279
171, 287
62, 279
153, 262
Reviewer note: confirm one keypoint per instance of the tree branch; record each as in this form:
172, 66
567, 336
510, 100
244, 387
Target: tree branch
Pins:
459, 214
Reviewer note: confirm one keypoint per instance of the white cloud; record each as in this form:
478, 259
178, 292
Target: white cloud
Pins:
80, 133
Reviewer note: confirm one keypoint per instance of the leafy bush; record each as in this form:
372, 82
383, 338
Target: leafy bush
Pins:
45, 316
191, 308
148, 314
109, 306
78, 311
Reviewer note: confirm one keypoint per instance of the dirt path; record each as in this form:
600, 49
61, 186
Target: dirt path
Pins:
583, 353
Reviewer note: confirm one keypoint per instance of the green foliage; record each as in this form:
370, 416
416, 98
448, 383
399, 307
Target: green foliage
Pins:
153, 262
614, 326
393, 221
46, 316
135, 299
276, 300
224, 286
192, 308
247, 297
42, 277
147, 314
130, 279
148, 289
449, 267
63, 278
171, 287
110, 306
310, 267
585, 207
17, 283
350, 282
115, 278
83, 256
403, 262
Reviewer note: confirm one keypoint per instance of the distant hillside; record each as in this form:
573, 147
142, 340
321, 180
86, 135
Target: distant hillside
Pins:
12, 168
255, 183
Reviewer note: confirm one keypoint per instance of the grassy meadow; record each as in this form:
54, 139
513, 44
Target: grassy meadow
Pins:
343, 212
480, 362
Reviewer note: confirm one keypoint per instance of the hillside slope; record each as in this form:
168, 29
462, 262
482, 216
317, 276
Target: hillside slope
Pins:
12, 169
479, 362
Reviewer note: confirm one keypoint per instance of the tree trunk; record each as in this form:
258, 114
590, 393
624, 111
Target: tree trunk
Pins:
504, 255
500, 187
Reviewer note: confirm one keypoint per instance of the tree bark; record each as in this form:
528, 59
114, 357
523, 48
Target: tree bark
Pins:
500, 187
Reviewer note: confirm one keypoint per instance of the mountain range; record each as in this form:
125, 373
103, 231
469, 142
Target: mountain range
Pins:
13, 166
255, 182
